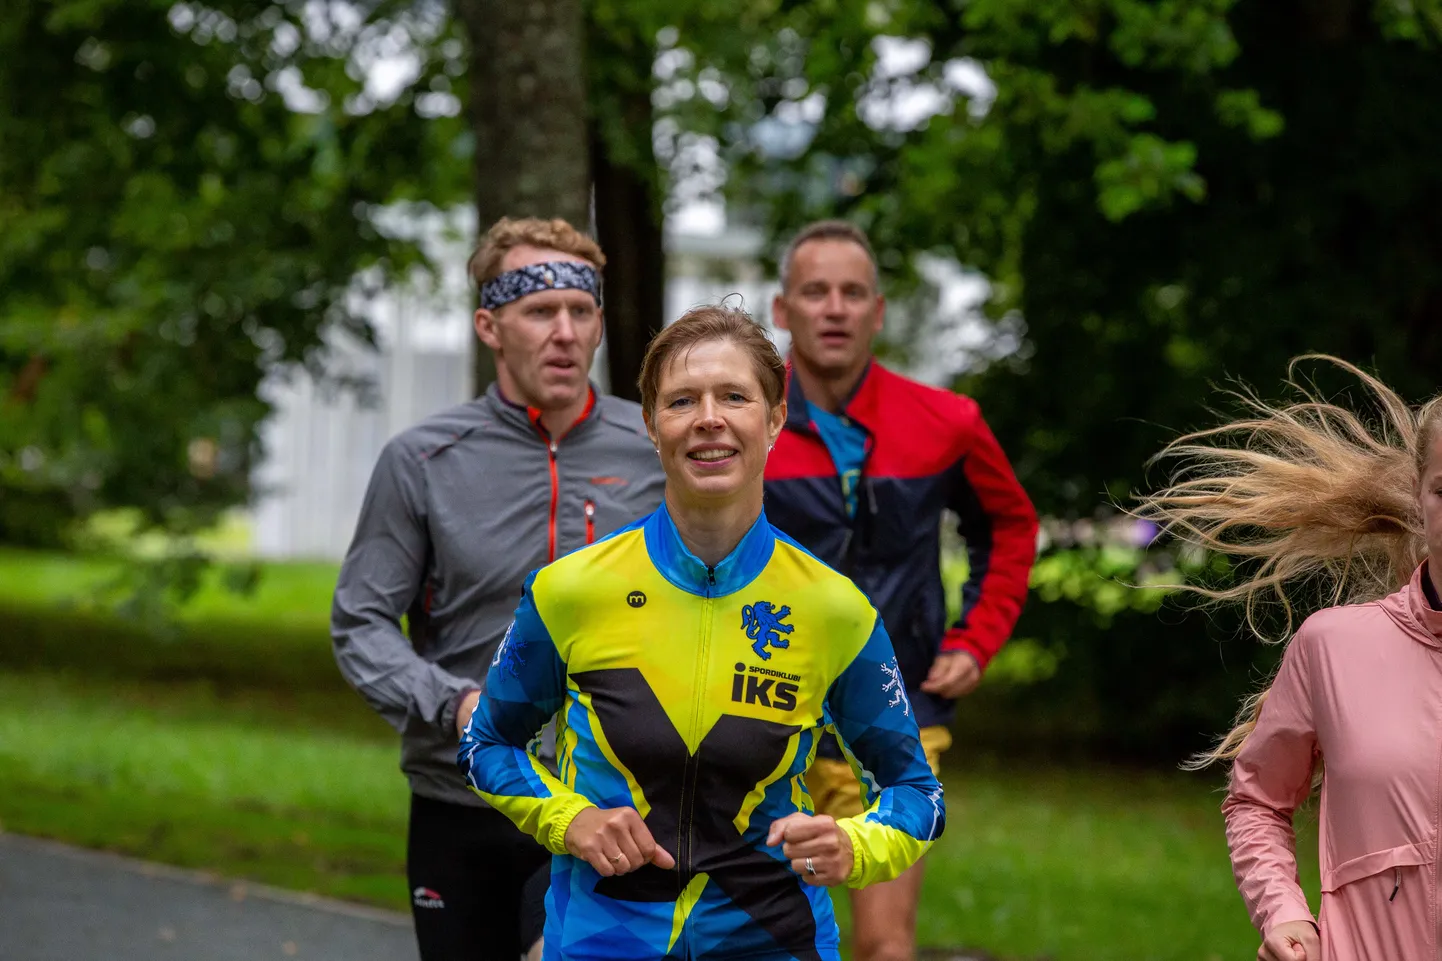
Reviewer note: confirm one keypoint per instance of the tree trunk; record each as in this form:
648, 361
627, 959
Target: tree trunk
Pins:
628, 225
528, 112
627, 195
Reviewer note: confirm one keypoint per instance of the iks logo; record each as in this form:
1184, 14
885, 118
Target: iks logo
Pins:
764, 687
763, 625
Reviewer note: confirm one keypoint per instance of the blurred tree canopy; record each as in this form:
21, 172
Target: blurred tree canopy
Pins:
1163, 194
189, 195
186, 199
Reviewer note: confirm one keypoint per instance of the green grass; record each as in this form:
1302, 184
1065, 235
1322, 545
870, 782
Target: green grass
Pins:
297, 791
302, 791
1089, 864
59, 617
289, 594
231, 744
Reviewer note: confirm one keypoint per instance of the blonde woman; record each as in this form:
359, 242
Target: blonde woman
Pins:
1311, 493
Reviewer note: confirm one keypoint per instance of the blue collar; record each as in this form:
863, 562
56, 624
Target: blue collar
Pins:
685, 570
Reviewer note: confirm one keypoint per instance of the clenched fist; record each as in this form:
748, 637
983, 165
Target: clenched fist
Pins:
1292, 941
819, 850
615, 841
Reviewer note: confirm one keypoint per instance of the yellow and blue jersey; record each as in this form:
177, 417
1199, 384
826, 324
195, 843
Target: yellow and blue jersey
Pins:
697, 695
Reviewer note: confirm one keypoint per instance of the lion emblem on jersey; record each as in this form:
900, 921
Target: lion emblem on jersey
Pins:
763, 625
508, 655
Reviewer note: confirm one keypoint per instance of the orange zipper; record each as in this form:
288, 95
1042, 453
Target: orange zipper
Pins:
555, 494
590, 521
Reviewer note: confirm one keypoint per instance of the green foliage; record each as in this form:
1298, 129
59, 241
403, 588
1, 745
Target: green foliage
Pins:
1158, 199
1109, 659
173, 229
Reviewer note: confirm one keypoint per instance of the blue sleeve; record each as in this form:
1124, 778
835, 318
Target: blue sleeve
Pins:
868, 707
525, 687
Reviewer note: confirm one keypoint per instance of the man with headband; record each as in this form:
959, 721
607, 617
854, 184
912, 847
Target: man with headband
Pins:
460, 508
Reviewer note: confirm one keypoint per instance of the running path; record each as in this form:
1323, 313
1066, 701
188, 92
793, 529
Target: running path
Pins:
59, 903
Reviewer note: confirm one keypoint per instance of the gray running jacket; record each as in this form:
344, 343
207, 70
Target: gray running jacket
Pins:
460, 508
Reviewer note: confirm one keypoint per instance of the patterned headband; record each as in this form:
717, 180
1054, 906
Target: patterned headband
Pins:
555, 275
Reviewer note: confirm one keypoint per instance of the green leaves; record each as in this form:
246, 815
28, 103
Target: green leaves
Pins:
1150, 171
1243, 109
173, 227
1416, 21
1163, 193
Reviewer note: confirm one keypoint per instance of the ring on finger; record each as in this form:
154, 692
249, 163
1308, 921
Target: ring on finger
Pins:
617, 859
810, 868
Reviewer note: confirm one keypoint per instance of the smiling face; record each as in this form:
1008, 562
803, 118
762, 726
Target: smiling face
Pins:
831, 306
544, 342
711, 424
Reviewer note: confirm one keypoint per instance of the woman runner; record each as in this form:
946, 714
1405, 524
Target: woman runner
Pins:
1312, 494
692, 661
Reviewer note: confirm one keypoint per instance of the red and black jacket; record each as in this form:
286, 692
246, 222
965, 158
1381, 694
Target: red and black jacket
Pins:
928, 450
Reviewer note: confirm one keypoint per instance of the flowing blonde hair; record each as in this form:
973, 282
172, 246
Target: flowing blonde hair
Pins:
1311, 499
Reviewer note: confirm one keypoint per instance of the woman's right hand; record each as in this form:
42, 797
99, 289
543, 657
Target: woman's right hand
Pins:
615, 841
1292, 941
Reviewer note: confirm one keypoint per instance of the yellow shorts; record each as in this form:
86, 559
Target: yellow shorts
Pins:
835, 790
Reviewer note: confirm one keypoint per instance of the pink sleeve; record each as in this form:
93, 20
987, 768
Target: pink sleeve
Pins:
1271, 778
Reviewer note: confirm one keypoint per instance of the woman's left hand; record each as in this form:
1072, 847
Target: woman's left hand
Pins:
819, 850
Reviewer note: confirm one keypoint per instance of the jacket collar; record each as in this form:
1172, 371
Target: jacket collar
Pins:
687, 571
1428, 619
858, 406
1409, 609
528, 419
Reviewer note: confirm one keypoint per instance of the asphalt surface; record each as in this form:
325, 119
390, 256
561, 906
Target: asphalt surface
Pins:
59, 903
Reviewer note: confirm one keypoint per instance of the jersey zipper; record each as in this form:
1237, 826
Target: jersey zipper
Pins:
552, 444
590, 521
685, 866
551, 447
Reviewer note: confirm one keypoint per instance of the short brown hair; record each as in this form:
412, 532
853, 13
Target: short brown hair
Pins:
507, 234
706, 323
827, 230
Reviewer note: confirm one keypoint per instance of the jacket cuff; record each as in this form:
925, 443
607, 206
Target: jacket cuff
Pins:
1286, 915
957, 639
858, 852
452, 708
555, 839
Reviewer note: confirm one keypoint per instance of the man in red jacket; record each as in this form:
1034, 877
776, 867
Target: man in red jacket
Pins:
860, 476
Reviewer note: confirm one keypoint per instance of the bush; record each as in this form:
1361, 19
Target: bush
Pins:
1106, 663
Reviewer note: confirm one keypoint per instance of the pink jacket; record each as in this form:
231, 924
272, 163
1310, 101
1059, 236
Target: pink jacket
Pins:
1360, 687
